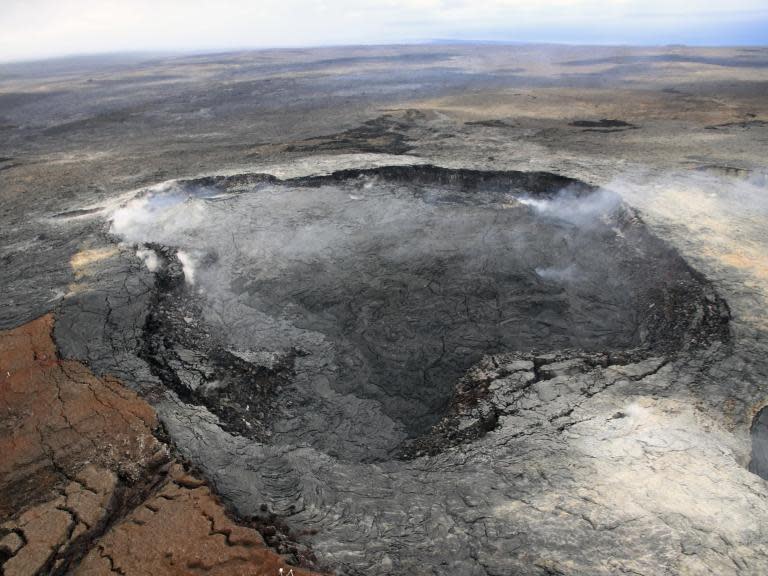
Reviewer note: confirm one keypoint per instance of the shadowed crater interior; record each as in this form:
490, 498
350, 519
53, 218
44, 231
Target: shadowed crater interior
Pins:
368, 294
759, 461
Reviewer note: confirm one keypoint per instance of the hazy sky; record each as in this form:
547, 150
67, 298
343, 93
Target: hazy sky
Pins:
41, 28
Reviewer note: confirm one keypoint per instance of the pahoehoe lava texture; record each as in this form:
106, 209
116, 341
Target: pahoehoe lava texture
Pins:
366, 295
561, 450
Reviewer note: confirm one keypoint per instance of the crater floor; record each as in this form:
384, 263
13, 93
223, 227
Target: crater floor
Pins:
365, 296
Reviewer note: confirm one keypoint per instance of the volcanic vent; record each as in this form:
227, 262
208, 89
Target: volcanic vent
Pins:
339, 312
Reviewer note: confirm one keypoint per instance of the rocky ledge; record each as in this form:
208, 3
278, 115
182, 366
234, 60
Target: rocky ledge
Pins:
86, 479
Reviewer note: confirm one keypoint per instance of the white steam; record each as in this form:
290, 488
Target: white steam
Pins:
558, 274
168, 215
580, 210
188, 265
149, 257
717, 217
160, 215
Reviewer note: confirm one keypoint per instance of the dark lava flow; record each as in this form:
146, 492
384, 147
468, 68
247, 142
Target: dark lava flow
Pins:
364, 296
759, 461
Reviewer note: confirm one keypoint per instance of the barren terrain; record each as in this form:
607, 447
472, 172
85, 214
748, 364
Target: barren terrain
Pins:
394, 310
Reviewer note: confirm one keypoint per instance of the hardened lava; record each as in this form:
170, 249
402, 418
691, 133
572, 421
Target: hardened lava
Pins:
341, 311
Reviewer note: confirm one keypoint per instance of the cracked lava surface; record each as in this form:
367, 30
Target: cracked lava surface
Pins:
287, 365
458, 335
81, 460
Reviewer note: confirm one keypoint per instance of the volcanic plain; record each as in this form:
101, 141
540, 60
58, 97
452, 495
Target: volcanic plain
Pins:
435, 309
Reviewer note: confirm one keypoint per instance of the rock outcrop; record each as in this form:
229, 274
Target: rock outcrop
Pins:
85, 482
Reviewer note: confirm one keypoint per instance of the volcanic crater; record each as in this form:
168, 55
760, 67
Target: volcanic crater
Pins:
341, 311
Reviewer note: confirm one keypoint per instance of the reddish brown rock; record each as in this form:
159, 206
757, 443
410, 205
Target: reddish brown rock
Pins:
83, 477
56, 416
182, 530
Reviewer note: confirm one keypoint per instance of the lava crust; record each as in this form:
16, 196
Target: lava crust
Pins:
370, 344
386, 286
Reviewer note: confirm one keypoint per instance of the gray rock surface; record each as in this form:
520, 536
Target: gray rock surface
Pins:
589, 455
578, 462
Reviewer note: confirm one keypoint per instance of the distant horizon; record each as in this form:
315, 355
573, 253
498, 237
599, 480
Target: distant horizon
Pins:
39, 30
138, 54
